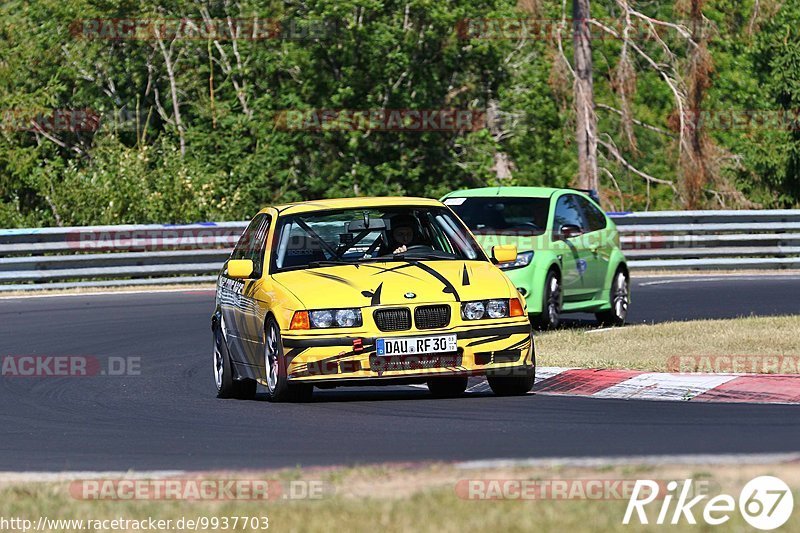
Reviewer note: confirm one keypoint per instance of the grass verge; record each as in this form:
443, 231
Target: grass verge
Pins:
757, 341
417, 498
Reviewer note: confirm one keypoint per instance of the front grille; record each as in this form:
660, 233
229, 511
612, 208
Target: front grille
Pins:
398, 319
432, 316
381, 364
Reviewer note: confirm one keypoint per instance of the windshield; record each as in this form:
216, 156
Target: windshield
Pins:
500, 215
376, 234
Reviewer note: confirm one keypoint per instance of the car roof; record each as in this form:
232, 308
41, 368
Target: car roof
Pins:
527, 192
354, 203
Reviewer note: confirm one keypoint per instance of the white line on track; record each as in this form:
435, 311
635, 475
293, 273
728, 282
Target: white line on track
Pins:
107, 293
726, 278
71, 476
651, 460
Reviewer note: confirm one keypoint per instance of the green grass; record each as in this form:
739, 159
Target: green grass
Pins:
654, 347
397, 498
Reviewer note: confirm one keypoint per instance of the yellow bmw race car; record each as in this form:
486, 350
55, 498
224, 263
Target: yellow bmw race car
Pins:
366, 291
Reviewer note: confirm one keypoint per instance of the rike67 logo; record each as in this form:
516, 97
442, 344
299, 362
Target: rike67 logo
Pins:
765, 503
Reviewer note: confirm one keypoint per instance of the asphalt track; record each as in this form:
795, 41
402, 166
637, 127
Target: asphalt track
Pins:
168, 417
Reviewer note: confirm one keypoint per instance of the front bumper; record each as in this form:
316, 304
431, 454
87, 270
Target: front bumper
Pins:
522, 278
499, 347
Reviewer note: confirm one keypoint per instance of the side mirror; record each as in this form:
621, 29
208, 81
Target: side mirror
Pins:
570, 230
240, 268
505, 253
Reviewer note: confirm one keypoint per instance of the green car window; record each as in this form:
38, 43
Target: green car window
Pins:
595, 219
498, 214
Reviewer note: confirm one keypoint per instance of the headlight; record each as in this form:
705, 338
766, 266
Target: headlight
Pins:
321, 319
348, 317
335, 318
523, 259
484, 309
473, 310
497, 308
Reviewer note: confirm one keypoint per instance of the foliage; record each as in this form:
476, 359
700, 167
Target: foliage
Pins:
190, 128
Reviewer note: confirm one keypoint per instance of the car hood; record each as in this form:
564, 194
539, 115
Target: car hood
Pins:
396, 282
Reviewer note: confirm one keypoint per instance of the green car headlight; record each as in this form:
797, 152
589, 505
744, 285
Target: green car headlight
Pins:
523, 259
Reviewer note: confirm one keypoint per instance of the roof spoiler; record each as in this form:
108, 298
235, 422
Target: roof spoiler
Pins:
591, 193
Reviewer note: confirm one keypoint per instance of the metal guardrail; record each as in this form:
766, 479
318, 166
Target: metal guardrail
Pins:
102, 256
711, 240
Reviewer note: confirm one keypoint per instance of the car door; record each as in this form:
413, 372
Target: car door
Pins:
250, 321
244, 319
571, 248
597, 241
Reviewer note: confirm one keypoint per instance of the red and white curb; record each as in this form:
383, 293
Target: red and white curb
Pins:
637, 385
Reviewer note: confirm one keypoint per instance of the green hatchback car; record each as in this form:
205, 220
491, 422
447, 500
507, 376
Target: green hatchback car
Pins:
569, 258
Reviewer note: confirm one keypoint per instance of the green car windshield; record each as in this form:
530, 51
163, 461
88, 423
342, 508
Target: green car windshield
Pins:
381, 234
490, 215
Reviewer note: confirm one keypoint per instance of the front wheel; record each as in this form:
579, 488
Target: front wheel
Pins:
519, 383
619, 299
227, 386
549, 317
279, 389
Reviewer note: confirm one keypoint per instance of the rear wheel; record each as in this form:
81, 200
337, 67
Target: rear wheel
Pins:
619, 299
448, 387
551, 308
279, 389
227, 386
521, 382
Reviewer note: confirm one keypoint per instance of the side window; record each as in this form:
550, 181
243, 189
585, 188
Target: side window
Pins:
252, 243
568, 211
595, 219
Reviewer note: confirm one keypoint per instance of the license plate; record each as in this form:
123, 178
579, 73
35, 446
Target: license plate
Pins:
417, 345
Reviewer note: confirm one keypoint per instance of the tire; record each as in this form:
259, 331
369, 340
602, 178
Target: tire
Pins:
279, 389
512, 385
227, 386
551, 306
449, 387
619, 298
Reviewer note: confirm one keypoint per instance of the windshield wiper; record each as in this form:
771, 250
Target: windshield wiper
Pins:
328, 262
418, 255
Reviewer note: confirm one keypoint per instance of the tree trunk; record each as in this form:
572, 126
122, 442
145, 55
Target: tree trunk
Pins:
695, 167
586, 121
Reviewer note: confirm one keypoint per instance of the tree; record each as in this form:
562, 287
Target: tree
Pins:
585, 119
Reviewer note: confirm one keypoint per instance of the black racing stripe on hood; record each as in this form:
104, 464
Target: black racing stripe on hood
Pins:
465, 276
392, 269
331, 277
448, 287
375, 295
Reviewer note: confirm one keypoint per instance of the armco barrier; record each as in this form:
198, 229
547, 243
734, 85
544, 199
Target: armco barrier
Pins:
99, 256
